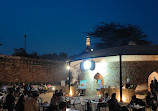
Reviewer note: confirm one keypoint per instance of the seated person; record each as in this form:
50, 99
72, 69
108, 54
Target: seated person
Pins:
105, 101
113, 104
106, 98
135, 101
62, 106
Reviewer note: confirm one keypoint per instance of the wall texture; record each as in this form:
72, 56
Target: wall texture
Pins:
18, 69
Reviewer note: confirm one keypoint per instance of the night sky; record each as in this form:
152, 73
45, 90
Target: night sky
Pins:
60, 25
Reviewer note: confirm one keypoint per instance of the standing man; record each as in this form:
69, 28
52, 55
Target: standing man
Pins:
10, 101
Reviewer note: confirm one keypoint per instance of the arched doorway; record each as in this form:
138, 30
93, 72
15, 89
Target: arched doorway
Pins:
152, 76
100, 83
99, 76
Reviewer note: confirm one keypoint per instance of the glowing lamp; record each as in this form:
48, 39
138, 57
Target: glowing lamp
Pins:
87, 65
53, 88
68, 67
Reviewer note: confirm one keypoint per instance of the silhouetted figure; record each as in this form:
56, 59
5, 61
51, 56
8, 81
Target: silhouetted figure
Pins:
55, 100
136, 101
61, 92
106, 98
89, 107
154, 102
62, 106
20, 104
113, 104
10, 101
155, 85
149, 99
152, 86
56, 93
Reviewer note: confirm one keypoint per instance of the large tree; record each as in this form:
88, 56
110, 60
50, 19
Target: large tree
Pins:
116, 34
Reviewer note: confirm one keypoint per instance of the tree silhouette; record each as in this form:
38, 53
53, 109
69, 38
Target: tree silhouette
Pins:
20, 52
55, 56
115, 34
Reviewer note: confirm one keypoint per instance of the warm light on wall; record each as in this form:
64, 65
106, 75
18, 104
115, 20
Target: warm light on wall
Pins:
70, 93
123, 98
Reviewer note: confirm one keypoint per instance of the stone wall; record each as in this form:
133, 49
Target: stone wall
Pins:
19, 69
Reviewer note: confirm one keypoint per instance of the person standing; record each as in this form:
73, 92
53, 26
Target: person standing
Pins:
20, 104
10, 101
154, 102
152, 86
149, 99
31, 103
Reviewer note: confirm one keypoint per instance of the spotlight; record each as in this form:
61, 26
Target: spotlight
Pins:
87, 65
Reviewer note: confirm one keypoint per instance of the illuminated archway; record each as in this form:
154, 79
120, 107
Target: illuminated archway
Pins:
152, 76
99, 76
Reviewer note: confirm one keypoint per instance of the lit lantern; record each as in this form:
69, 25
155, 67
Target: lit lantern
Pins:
87, 65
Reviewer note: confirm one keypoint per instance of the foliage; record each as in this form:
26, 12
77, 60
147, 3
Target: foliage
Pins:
115, 34
55, 56
20, 52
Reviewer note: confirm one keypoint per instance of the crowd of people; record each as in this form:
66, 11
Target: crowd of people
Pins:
24, 98
135, 104
20, 98
17, 99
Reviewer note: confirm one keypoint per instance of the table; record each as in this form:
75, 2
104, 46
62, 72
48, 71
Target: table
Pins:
70, 109
44, 106
95, 105
137, 107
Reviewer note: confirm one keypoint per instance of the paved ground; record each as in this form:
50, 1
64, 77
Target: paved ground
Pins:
47, 97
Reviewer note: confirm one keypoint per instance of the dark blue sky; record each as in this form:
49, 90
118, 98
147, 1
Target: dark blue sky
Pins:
59, 25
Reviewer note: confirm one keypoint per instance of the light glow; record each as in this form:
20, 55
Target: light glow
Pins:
123, 99
68, 67
53, 88
70, 92
87, 64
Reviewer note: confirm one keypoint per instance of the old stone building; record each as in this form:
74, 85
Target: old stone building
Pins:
20, 69
139, 65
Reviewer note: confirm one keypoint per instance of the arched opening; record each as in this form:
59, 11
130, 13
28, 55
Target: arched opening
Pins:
152, 76
99, 76
100, 83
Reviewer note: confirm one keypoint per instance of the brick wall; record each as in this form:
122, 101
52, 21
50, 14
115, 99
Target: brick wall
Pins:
19, 69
